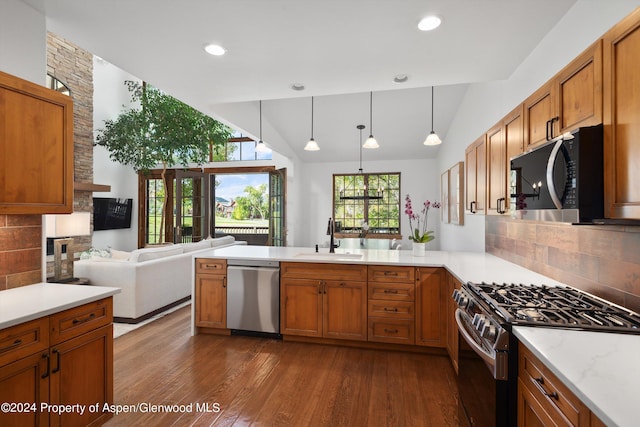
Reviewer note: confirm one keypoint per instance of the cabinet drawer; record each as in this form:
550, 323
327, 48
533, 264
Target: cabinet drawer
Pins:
211, 266
392, 291
309, 270
24, 339
79, 320
549, 391
391, 309
387, 273
399, 331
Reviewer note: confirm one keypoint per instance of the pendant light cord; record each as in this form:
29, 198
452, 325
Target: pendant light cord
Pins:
371, 112
431, 108
261, 120
312, 117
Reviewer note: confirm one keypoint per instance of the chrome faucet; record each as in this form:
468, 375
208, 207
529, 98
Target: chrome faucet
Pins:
331, 228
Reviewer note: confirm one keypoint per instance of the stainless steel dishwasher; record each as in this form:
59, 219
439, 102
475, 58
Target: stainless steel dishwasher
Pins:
253, 297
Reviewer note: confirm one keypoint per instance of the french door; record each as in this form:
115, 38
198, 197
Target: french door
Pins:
192, 218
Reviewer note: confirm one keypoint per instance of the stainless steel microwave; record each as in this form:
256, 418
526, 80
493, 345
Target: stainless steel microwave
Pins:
562, 180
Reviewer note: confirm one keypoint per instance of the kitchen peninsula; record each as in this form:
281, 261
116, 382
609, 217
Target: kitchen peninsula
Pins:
611, 401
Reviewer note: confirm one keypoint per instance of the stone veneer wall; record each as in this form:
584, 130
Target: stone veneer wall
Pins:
602, 260
21, 235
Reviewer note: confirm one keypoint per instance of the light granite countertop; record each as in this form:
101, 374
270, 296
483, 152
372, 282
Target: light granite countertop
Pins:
602, 369
19, 305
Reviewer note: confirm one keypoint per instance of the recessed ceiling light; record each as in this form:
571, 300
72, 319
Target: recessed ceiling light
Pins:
400, 78
429, 23
215, 50
297, 86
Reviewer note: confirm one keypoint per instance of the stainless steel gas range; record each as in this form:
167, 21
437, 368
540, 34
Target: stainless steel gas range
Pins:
487, 361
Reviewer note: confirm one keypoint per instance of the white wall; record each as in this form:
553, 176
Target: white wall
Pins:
109, 96
23, 41
419, 178
486, 103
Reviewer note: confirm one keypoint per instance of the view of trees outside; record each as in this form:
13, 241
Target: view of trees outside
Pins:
382, 215
242, 201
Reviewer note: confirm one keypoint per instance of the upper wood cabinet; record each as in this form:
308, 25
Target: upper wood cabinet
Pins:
496, 170
622, 118
476, 176
36, 148
573, 98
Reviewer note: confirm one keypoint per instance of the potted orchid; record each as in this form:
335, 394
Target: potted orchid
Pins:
418, 224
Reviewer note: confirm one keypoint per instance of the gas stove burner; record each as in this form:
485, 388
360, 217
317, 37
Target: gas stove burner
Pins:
552, 306
529, 314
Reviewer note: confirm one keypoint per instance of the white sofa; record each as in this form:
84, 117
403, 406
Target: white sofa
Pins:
151, 279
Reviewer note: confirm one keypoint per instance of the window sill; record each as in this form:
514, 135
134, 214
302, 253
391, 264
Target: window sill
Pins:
368, 236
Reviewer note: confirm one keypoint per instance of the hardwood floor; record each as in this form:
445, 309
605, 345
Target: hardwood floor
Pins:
265, 382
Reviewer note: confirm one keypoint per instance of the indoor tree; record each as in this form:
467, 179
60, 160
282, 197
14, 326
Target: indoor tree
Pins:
162, 131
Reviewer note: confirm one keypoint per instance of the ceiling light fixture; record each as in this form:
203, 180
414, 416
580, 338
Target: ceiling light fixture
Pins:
432, 138
429, 23
297, 86
215, 50
312, 145
371, 141
260, 146
363, 194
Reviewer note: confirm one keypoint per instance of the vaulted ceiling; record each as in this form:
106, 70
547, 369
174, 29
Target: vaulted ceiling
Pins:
340, 50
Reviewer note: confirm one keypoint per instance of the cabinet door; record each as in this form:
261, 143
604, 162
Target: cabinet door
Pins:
345, 310
621, 52
25, 381
476, 176
36, 148
301, 307
540, 123
514, 133
431, 308
82, 373
496, 171
211, 301
452, 326
579, 87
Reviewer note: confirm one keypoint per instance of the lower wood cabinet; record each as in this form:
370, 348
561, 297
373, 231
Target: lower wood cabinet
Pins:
431, 307
62, 359
452, 326
543, 400
320, 302
211, 293
391, 306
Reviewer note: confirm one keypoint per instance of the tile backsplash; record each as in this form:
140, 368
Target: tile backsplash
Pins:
20, 250
602, 260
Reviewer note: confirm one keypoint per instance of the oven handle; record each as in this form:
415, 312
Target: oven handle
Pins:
488, 358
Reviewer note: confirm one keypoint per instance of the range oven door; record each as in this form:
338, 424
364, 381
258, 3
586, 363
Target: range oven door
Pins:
484, 399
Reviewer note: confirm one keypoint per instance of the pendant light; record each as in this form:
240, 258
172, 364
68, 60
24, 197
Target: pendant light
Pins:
261, 147
432, 138
363, 194
312, 145
371, 141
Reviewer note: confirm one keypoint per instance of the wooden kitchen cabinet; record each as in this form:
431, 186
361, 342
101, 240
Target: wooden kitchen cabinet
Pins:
36, 148
543, 400
431, 307
573, 98
476, 176
496, 146
391, 305
622, 119
452, 326
62, 359
316, 301
211, 294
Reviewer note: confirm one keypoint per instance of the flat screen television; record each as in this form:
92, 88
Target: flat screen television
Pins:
111, 213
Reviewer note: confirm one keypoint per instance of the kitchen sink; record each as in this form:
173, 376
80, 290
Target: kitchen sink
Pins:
327, 255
